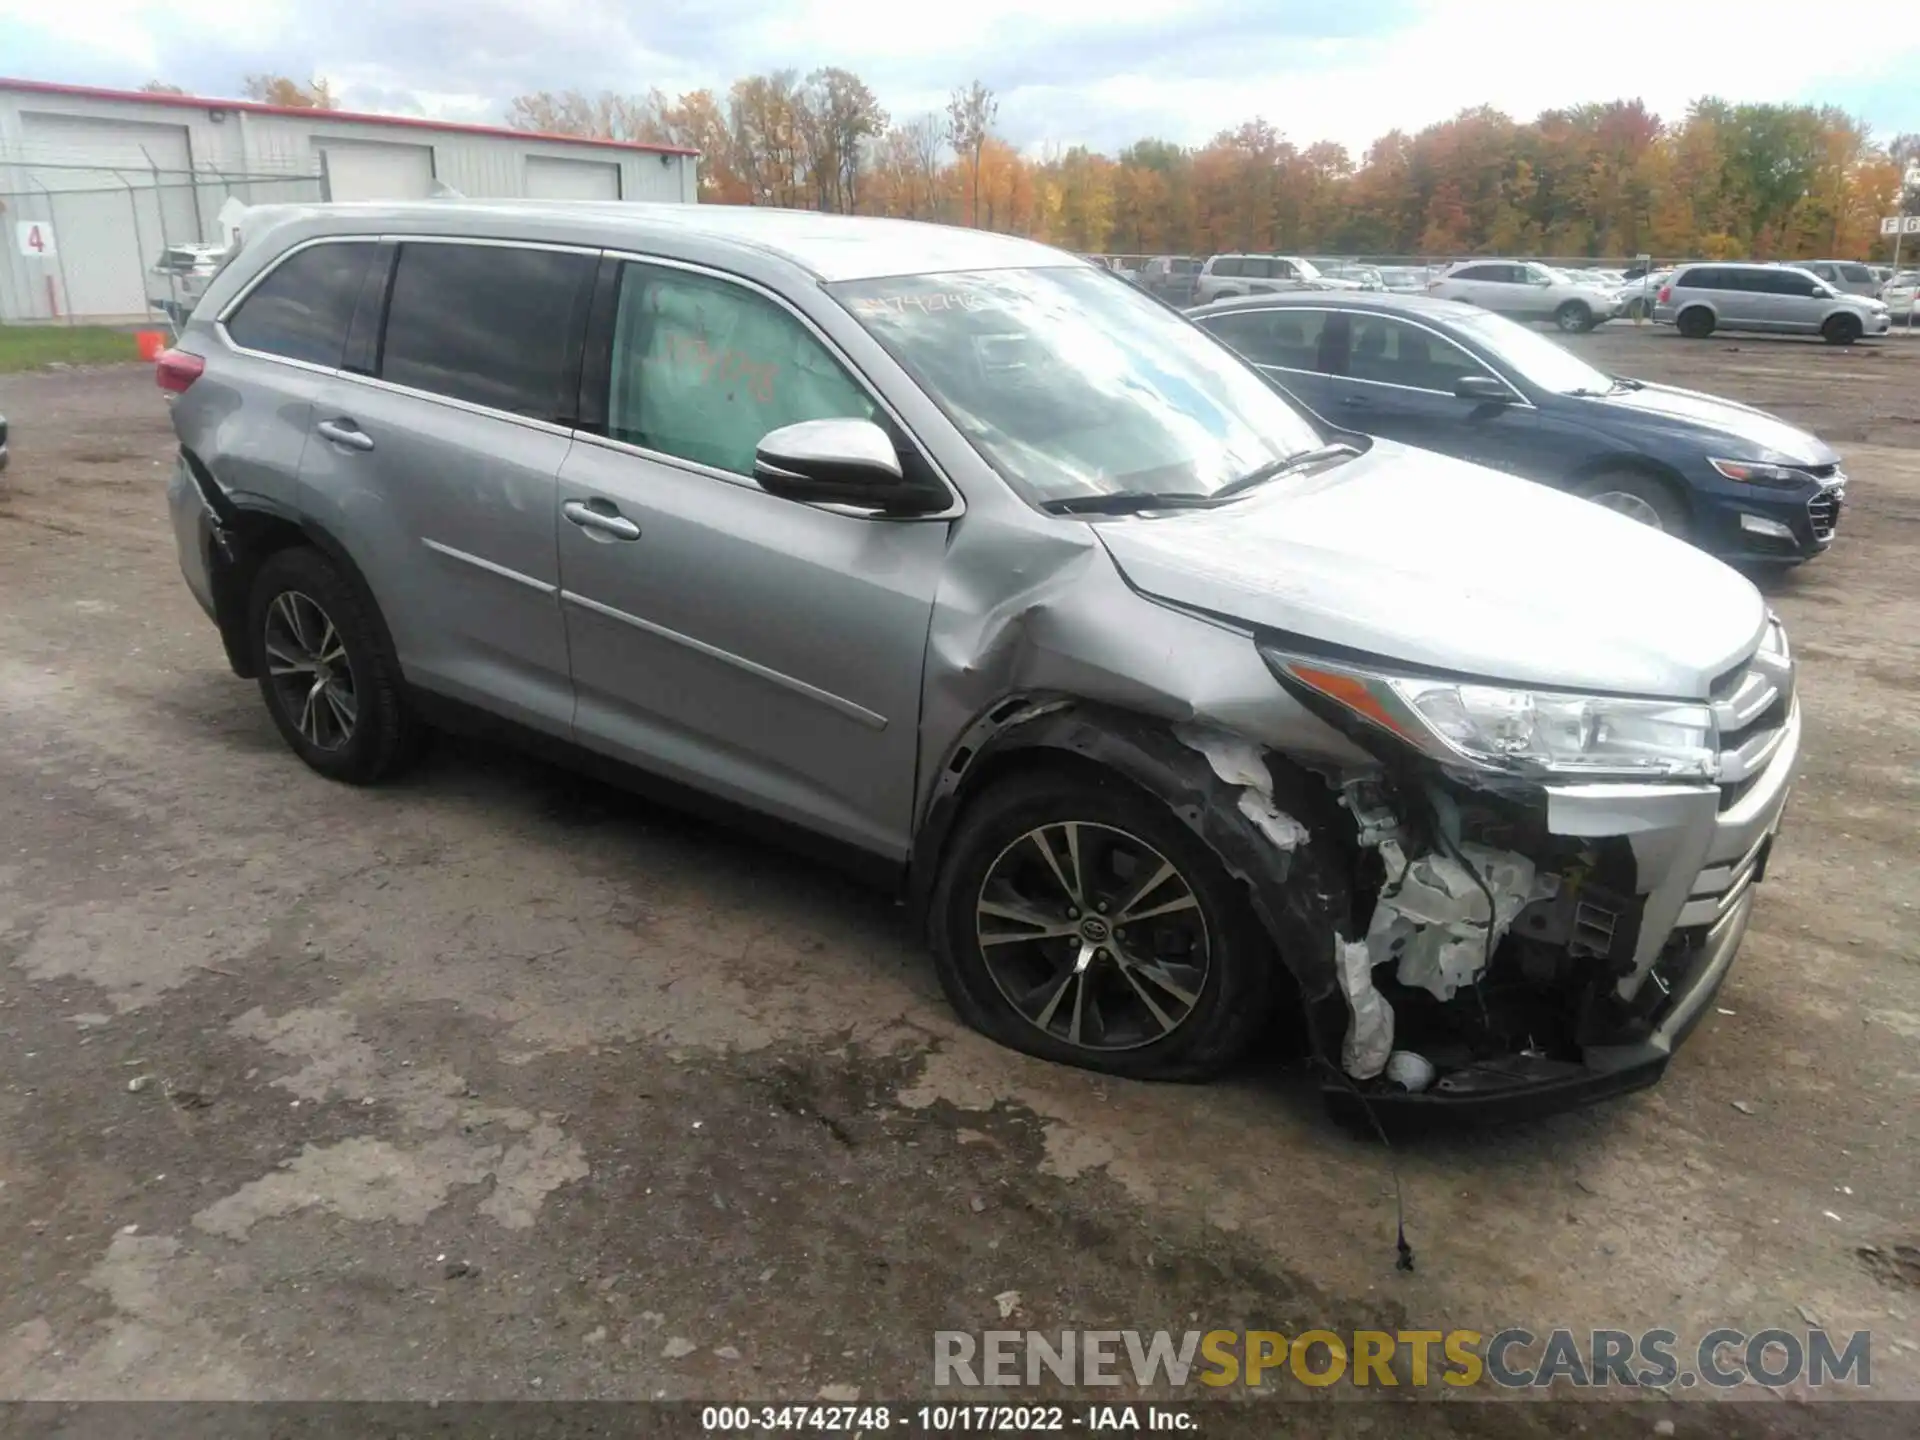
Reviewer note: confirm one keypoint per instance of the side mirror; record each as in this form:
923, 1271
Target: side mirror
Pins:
839, 462
1483, 388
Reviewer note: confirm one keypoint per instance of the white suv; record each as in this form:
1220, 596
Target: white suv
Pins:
1225, 275
1527, 290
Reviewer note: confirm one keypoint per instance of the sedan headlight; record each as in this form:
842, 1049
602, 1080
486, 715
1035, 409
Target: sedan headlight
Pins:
1755, 472
1542, 734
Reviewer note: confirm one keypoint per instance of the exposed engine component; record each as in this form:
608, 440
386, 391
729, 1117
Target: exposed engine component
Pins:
1440, 916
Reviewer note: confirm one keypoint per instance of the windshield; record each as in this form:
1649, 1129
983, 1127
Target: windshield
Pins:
1308, 270
1532, 355
1070, 385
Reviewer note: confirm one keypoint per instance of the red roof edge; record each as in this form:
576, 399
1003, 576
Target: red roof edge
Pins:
352, 117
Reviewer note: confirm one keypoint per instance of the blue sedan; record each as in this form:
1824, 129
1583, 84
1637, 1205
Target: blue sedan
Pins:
1736, 481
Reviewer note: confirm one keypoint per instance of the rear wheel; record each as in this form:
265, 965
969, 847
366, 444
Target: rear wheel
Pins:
1842, 329
1695, 324
1079, 920
1574, 318
329, 679
1638, 497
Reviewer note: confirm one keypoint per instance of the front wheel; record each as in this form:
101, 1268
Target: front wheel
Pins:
1079, 920
1574, 318
1638, 497
1842, 329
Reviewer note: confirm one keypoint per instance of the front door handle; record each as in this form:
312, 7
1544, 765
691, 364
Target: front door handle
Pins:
1354, 402
607, 521
345, 432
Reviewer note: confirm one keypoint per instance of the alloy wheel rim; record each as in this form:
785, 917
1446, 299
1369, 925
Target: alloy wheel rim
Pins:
311, 672
1093, 936
1634, 507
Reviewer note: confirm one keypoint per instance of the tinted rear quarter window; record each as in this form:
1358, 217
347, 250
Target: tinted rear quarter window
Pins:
302, 309
1288, 339
1229, 266
489, 324
1858, 274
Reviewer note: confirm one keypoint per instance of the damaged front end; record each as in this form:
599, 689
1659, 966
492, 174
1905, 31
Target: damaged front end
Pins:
1525, 942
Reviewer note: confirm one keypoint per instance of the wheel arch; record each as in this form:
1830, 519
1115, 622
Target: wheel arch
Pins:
1301, 897
1692, 305
1643, 465
248, 530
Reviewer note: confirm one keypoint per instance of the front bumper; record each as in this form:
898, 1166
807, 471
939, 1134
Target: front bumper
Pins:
1740, 522
1700, 851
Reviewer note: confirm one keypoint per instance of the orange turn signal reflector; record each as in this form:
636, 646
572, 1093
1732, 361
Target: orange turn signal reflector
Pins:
1353, 693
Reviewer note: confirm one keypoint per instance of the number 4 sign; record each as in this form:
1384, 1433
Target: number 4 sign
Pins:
36, 238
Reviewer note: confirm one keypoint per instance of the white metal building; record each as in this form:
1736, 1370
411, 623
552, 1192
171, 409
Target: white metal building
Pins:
94, 184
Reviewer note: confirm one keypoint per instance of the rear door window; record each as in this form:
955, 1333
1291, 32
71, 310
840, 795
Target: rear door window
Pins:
492, 325
1856, 274
302, 309
702, 369
1230, 266
1479, 272
1287, 339
1388, 351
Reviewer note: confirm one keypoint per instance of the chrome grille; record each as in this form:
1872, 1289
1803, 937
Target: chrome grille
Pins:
1824, 511
1750, 709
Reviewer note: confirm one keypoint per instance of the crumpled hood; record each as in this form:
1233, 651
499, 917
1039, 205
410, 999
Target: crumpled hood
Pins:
1420, 558
1756, 434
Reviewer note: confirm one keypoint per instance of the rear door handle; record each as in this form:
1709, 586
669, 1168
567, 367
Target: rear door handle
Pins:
345, 432
607, 521
1354, 402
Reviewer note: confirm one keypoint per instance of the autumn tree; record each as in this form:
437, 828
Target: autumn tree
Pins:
316, 94
1592, 180
970, 116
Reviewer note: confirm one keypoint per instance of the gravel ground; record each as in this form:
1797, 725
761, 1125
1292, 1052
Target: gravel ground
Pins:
496, 1083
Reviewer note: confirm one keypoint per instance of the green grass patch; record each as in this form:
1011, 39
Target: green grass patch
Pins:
31, 347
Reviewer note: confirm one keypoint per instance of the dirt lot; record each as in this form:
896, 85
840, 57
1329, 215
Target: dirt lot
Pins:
496, 1083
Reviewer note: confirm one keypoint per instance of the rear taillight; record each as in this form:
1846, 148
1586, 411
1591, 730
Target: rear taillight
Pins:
1666, 294
175, 370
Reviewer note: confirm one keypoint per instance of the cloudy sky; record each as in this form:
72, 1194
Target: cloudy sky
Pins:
1096, 72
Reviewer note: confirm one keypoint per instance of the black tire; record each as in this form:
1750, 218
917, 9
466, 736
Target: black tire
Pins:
1574, 318
1235, 998
1695, 323
291, 587
1842, 329
1653, 493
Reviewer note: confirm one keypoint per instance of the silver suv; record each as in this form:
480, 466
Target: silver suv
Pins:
1527, 290
1700, 299
1165, 705
1225, 275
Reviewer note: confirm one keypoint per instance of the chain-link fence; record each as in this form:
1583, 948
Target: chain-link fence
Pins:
96, 243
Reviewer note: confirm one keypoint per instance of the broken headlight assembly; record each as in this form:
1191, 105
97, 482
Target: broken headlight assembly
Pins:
1542, 734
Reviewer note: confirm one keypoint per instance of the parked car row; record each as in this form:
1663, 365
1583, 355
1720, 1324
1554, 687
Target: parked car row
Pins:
1170, 689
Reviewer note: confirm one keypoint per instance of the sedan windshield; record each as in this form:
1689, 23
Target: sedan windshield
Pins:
1072, 386
1533, 355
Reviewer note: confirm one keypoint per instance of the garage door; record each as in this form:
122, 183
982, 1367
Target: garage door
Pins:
108, 238
363, 170
552, 179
